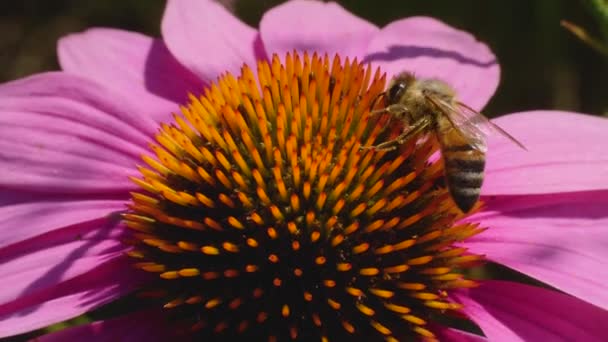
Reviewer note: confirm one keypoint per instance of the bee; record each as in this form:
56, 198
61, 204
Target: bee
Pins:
431, 106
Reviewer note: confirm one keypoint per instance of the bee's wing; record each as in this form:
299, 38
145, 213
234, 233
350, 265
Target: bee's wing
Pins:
470, 122
478, 119
459, 122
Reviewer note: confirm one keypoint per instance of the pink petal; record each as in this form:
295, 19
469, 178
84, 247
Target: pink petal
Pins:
508, 311
453, 335
138, 326
40, 263
105, 283
138, 67
62, 133
16, 196
566, 152
207, 39
430, 48
559, 239
315, 27
19, 222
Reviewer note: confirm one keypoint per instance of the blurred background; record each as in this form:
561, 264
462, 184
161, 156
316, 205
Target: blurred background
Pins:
543, 65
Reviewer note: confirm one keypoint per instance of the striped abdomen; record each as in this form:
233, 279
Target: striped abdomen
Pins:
464, 167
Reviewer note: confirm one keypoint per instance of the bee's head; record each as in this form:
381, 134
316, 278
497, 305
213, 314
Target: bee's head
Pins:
398, 86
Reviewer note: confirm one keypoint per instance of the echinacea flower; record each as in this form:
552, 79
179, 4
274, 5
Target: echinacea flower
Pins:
254, 214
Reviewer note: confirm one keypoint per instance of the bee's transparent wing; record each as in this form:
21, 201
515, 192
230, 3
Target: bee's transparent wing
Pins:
483, 123
471, 123
468, 129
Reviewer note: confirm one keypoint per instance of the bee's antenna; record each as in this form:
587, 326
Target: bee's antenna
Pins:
375, 100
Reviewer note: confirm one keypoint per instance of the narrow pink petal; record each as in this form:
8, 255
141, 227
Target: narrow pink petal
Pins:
40, 263
138, 326
566, 152
508, 311
430, 48
559, 239
315, 26
453, 335
101, 285
207, 39
16, 196
62, 133
136, 66
19, 222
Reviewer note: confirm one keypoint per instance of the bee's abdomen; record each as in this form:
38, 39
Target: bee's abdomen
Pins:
464, 174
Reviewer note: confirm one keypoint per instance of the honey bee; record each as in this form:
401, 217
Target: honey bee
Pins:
431, 106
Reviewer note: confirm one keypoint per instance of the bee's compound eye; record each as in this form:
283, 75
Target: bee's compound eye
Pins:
396, 91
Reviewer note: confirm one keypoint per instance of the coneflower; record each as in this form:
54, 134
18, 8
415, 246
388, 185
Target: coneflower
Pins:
255, 213
267, 219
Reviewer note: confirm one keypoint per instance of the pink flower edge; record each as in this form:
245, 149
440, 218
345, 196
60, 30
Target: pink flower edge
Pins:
424, 46
508, 311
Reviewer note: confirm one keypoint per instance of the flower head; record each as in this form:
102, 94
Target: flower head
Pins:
269, 219
255, 213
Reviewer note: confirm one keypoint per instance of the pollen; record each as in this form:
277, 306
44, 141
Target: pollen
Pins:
262, 215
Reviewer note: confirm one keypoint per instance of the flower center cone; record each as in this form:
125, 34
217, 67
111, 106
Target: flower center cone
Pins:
263, 217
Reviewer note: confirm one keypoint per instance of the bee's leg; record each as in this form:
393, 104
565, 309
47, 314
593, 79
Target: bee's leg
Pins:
414, 129
385, 146
408, 133
377, 111
396, 109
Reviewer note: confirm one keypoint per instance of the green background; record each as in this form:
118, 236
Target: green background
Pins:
543, 65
